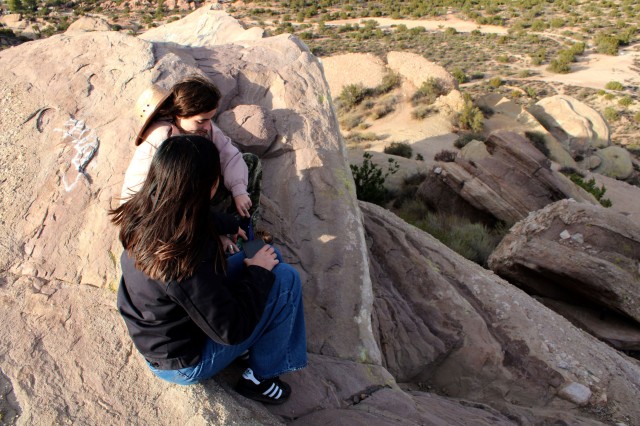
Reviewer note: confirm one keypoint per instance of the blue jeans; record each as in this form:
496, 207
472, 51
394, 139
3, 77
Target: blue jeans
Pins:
277, 345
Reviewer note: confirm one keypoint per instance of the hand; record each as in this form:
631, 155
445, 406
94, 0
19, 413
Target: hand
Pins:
240, 234
265, 258
243, 204
229, 245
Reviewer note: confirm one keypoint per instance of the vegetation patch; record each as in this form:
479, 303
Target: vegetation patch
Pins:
369, 179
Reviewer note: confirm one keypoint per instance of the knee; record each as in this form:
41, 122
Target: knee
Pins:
288, 277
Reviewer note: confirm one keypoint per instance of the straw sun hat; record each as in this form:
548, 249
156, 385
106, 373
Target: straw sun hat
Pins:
146, 107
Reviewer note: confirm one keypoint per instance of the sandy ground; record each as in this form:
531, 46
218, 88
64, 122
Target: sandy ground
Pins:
429, 24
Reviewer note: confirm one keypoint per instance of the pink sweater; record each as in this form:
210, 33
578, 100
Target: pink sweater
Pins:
234, 169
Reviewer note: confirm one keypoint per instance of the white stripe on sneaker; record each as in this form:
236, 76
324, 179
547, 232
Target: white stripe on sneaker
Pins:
270, 390
279, 393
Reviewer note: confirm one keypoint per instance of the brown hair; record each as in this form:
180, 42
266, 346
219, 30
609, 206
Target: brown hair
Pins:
191, 96
165, 227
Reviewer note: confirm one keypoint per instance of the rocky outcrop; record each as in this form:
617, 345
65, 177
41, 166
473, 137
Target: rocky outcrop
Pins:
250, 126
417, 69
342, 70
505, 177
576, 253
433, 321
89, 23
448, 324
581, 128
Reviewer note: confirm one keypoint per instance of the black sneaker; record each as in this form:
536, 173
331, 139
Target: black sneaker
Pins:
269, 391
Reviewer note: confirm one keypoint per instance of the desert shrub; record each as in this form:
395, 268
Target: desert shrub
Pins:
609, 96
614, 85
390, 81
590, 187
465, 138
446, 156
383, 108
401, 149
559, 66
607, 44
352, 95
459, 75
495, 82
419, 157
524, 73
423, 111
474, 241
610, 114
362, 137
350, 121
636, 117
531, 92
470, 118
537, 140
429, 91
625, 101
502, 59
369, 179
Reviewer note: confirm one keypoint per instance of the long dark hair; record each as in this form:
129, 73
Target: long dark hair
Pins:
192, 96
165, 227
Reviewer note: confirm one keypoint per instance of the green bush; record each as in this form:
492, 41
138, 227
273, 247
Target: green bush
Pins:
559, 66
350, 121
473, 241
470, 118
352, 95
465, 138
614, 85
636, 117
390, 81
362, 137
459, 75
369, 179
429, 92
607, 44
625, 101
423, 111
495, 82
400, 149
446, 156
610, 114
590, 187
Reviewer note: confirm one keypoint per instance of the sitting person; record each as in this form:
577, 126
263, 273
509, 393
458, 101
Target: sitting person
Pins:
188, 108
189, 310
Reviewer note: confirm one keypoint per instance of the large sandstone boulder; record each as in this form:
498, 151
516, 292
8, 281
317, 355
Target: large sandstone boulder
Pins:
349, 68
511, 116
579, 127
448, 324
577, 253
418, 69
249, 126
505, 177
440, 323
89, 23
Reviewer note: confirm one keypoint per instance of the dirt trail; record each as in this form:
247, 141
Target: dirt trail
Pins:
449, 20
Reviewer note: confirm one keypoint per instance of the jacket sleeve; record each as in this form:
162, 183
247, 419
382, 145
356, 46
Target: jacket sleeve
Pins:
139, 166
224, 223
234, 169
227, 312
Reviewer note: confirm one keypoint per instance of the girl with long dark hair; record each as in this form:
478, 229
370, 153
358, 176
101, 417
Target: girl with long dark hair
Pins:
189, 310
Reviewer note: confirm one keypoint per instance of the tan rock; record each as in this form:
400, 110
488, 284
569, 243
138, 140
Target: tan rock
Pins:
601, 266
418, 69
342, 70
615, 162
249, 126
579, 127
89, 23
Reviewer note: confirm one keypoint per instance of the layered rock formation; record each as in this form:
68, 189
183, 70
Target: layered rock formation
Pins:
504, 178
401, 330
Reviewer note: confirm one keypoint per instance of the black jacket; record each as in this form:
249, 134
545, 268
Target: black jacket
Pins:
169, 322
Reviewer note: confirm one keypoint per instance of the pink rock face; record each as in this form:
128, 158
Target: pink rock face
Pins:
249, 126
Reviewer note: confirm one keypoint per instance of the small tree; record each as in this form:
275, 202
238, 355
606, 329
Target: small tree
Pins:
369, 179
15, 6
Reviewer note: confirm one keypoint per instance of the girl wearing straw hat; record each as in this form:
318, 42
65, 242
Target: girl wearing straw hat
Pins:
188, 108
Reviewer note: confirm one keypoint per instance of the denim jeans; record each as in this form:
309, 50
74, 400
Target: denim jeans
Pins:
278, 343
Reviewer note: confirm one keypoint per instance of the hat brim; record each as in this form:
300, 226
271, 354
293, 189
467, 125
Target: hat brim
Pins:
139, 137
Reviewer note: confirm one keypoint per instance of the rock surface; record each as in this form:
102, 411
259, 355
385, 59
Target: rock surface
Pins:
581, 128
597, 261
433, 321
350, 71
418, 69
89, 23
505, 177
249, 126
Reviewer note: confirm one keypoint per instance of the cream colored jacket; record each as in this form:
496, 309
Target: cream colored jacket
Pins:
234, 169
